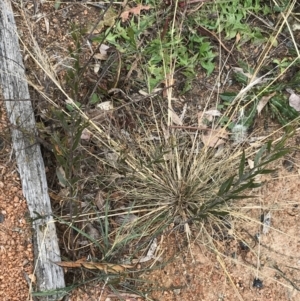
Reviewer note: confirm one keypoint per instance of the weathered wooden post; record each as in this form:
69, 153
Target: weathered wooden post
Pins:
14, 90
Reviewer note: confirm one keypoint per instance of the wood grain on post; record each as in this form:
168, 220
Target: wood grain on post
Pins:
14, 90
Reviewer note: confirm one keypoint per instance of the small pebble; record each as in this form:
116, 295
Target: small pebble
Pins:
257, 283
288, 164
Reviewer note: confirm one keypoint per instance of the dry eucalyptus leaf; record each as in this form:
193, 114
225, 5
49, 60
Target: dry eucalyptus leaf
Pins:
85, 135
32, 278
213, 112
175, 118
96, 68
183, 112
61, 175
143, 93
103, 48
105, 106
92, 232
126, 218
99, 200
112, 157
134, 10
100, 56
150, 253
294, 100
166, 131
214, 138
251, 163
210, 114
263, 101
296, 26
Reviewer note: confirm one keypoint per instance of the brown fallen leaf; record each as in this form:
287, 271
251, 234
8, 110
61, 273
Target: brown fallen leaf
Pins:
175, 118
99, 200
214, 138
263, 101
134, 10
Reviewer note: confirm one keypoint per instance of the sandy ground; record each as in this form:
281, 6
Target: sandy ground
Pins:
16, 250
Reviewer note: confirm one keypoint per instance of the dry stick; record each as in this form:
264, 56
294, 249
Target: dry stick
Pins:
194, 128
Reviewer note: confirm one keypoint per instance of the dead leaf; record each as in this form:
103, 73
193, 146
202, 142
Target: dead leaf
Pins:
100, 56
263, 101
207, 116
105, 105
251, 163
257, 178
210, 114
126, 218
99, 200
134, 10
108, 20
267, 223
175, 118
92, 232
61, 175
32, 278
85, 135
214, 138
166, 132
213, 112
294, 100
150, 253
96, 68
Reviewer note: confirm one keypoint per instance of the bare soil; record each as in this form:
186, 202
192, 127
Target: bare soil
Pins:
16, 250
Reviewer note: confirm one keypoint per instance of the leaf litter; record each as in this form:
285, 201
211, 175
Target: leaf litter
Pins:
263, 102
294, 100
134, 10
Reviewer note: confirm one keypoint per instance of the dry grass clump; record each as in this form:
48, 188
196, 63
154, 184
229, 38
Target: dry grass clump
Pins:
167, 178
